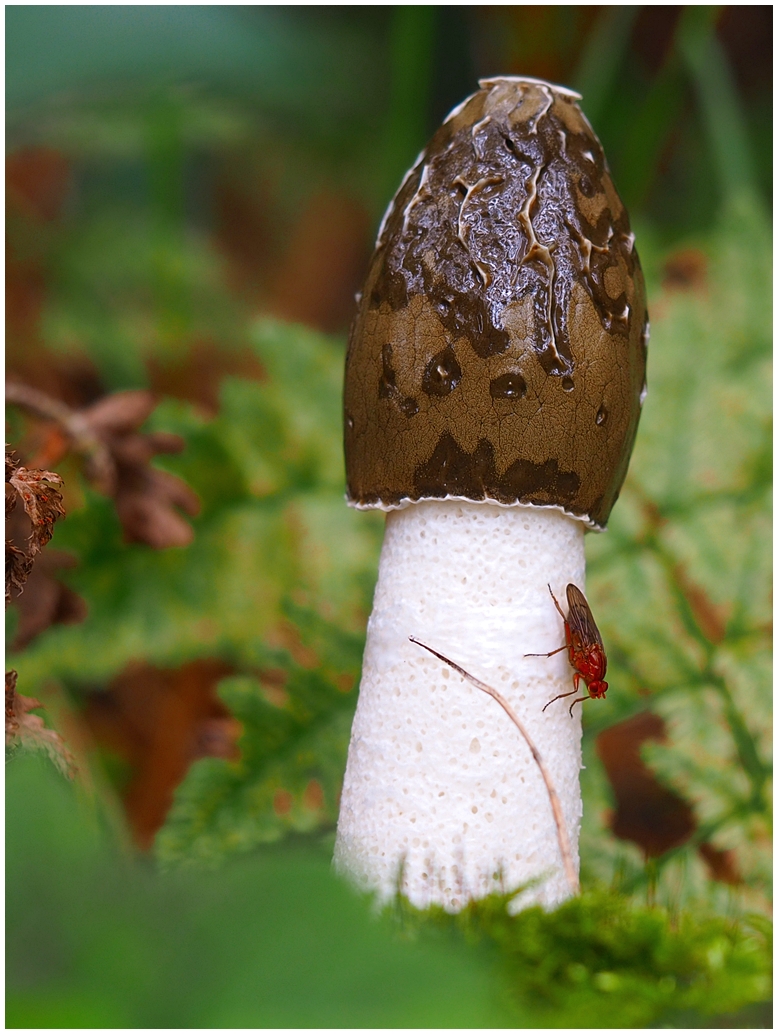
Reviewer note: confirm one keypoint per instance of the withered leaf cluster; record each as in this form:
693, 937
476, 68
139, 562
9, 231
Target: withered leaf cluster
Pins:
116, 460
25, 729
116, 457
147, 500
45, 600
42, 503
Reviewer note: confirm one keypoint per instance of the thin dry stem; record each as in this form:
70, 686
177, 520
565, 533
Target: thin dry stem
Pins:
556, 807
85, 441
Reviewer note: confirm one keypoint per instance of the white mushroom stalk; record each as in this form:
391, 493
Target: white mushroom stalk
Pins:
442, 799
494, 378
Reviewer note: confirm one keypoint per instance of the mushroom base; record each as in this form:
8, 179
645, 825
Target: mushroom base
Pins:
442, 800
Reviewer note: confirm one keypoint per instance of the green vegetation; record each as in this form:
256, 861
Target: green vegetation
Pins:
273, 941
599, 961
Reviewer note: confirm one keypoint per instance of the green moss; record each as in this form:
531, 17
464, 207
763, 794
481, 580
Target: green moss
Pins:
599, 960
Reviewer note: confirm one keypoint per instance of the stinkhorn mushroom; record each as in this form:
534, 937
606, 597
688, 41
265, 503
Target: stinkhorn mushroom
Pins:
494, 380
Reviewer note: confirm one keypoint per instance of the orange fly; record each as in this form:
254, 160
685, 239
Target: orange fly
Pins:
584, 645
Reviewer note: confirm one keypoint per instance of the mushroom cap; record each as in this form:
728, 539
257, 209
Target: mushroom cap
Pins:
499, 348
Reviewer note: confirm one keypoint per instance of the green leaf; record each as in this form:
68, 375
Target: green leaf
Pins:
681, 581
274, 940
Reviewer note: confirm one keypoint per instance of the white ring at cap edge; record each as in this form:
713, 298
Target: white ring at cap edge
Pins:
387, 507
493, 80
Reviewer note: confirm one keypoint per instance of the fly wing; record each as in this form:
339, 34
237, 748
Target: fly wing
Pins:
580, 617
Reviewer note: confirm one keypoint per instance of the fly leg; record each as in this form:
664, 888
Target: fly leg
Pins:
580, 700
561, 696
558, 650
556, 604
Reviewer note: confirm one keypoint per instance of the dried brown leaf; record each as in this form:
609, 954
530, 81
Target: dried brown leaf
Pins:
17, 569
146, 498
120, 413
721, 864
648, 813
42, 503
117, 462
11, 723
166, 442
173, 491
47, 601
131, 450
147, 519
146, 502
28, 730
160, 721
10, 493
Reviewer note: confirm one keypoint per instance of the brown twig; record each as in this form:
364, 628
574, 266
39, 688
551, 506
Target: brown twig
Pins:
556, 807
85, 440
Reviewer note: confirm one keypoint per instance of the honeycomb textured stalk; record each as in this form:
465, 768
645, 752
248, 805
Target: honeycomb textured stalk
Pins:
442, 799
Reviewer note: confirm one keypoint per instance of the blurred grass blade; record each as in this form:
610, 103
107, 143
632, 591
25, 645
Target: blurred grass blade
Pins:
165, 149
411, 47
602, 57
648, 132
713, 83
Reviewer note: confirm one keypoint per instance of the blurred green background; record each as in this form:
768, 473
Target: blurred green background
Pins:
192, 195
